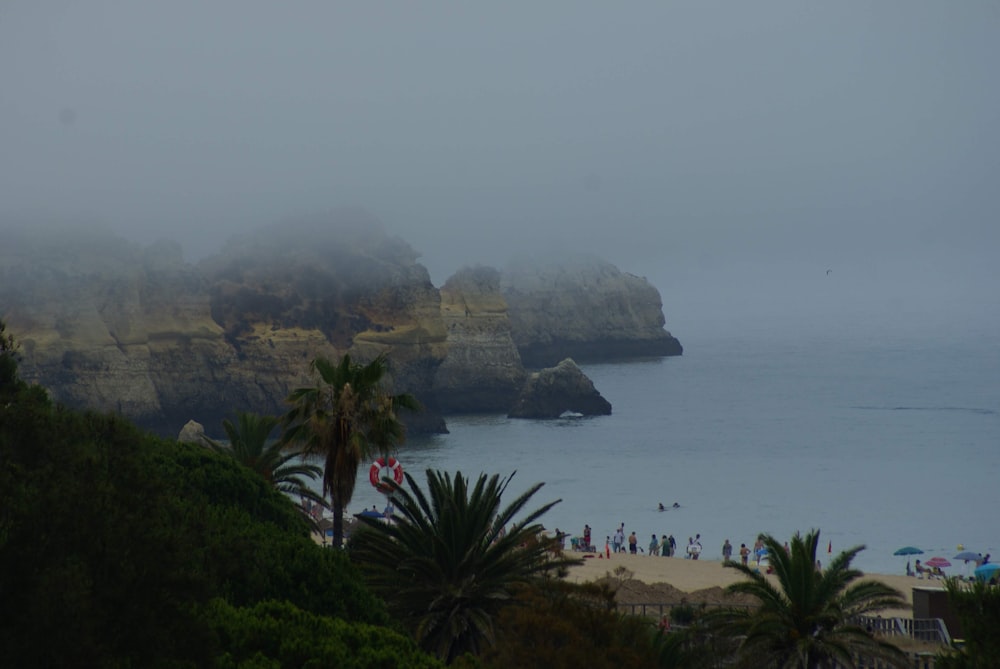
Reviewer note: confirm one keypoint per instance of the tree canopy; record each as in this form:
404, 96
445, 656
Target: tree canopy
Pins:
118, 548
808, 619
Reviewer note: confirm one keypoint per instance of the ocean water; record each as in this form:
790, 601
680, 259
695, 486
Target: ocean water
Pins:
882, 441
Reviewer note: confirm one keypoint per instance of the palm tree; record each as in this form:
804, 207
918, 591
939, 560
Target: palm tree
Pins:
252, 445
809, 619
453, 557
346, 417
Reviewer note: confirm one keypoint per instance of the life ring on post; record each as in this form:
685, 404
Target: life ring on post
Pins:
378, 470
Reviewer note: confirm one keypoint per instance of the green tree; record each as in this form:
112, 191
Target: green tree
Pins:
111, 539
978, 609
450, 560
553, 624
347, 416
809, 620
279, 635
9, 359
252, 444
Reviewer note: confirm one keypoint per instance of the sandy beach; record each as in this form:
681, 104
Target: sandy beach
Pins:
692, 576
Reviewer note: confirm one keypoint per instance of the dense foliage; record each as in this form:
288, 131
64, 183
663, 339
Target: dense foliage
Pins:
553, 624
121, 549
253, 444
808, 619
978, 608
449, 562
272, 635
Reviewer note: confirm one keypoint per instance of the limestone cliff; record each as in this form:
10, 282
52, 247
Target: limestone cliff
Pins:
482, 370
110, 325
585, 309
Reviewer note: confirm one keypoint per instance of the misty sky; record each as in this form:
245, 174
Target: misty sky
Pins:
731, 152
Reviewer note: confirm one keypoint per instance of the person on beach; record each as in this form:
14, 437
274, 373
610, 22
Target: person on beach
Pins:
607, 547
664, 546
619, 541
586, 537
727, 551
654, 547
673, 545
744, 554
633, 543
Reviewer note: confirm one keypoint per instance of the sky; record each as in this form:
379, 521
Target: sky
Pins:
814, 167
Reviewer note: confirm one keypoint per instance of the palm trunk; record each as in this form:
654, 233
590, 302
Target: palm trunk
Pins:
338, 524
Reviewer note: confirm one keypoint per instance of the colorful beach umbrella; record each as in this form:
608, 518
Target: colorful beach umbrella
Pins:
967, 555
987, 571
909, 550
937, 562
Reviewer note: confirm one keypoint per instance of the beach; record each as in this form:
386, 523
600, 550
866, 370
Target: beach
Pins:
698, 577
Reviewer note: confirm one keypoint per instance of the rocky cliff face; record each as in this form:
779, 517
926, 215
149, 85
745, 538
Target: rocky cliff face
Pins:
109, 325
482, 370
585, 309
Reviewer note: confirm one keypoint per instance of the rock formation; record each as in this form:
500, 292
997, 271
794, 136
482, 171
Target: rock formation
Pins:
110, 325
553, 391
482, 370
193, 432
585, 309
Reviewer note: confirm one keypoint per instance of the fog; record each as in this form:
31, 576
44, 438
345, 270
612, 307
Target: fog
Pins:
806, 167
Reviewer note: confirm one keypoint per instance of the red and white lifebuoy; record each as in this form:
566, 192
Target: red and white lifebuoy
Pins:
378, 470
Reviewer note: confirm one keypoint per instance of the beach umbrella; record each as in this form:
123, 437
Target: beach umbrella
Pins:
369, 513
909, 550
967, 555
937, 562
987, 571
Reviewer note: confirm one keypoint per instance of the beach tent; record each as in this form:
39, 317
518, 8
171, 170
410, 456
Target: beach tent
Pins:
987, 571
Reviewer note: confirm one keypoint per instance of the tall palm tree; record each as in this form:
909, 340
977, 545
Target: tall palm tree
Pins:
346, 417
453, 557
809, 619
253, 444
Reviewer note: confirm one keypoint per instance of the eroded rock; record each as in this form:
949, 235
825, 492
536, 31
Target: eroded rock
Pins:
553, 391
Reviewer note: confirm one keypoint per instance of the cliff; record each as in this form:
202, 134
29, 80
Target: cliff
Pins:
585, 309
113, 326
482, 370
108, 325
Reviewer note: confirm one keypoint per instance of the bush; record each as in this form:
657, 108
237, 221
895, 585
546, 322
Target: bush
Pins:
112, 541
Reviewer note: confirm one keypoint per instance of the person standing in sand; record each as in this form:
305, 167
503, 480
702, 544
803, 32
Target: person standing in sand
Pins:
727, 551
619, 541
744, 554
664, 546
633, 543
654, 547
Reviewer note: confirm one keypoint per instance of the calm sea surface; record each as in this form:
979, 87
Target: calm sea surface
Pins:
884, 442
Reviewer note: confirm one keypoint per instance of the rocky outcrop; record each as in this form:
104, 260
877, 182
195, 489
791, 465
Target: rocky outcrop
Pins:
551, 392
482, 370
113, 326
585, 309
108, 325
193, 432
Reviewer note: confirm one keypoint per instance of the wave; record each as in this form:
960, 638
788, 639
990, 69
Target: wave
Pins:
963, 409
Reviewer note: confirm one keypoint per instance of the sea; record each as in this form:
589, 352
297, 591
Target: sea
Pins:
882, 441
